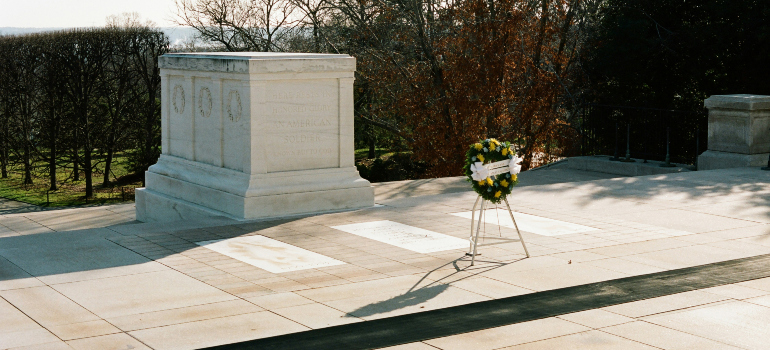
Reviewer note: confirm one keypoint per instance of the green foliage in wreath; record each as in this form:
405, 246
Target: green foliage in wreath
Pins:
492, 188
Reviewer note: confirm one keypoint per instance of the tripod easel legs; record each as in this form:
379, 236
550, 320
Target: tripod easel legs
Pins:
517, 227
474, 238
475, 241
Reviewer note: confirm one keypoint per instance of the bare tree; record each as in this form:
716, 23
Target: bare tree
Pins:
85, 64
316, 14
240, 25
6, 104
53, 105
119, 103
21, 58
146, 46
128, 20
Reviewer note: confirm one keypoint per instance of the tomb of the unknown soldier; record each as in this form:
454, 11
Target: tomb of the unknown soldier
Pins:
254, 135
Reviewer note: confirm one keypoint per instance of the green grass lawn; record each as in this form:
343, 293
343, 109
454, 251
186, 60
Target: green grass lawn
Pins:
363, 153
70, 193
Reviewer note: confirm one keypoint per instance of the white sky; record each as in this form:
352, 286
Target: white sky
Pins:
80, 13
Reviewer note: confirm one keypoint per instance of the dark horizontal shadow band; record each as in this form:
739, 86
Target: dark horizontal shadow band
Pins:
500, 312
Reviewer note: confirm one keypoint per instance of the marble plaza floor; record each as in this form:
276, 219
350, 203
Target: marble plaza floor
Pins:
93, 278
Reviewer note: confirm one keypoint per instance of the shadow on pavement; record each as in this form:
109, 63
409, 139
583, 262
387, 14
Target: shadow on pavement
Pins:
416, 296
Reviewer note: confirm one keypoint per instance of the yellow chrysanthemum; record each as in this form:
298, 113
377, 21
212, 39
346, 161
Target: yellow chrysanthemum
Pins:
504, 183
478, 146
514, 177
482, 183
498, 194
480, 158
505, 151
489, 181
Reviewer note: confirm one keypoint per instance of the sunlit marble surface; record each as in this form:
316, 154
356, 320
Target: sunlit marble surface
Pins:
529, 223
269, 254
405, 236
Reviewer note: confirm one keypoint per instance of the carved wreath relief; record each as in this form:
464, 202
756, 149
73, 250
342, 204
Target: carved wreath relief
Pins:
234, 107
178, 100
204, 102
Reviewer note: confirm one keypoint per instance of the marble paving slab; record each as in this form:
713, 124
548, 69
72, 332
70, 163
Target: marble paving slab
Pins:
269, 254
529, 223
405, 236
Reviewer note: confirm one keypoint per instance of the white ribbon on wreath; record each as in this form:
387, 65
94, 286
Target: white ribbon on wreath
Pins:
515, 165
480, 172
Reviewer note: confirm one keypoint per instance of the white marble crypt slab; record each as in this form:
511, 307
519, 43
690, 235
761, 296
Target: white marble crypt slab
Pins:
405, 236
529, 223
269, 254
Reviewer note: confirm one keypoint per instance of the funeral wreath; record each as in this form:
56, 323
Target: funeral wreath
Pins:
491, 166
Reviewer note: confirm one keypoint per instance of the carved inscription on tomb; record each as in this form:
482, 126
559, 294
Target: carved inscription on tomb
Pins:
302, 125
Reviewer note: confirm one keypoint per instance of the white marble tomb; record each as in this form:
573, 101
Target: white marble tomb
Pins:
252, 135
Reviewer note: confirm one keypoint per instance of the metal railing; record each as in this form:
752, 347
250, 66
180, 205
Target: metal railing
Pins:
626, 132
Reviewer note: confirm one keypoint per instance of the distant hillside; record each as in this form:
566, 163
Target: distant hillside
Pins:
18, 31
177, 35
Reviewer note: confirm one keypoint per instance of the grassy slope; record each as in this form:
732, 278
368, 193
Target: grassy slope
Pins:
70, 193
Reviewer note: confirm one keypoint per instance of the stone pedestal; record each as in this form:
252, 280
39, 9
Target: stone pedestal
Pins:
739, 132
254, 135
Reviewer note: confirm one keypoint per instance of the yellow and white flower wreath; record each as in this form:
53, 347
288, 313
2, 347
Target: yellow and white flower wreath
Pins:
492, 167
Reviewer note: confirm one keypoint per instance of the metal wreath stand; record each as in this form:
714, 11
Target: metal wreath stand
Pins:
494, 169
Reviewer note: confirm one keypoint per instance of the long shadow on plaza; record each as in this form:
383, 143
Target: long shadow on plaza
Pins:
419, 295
739, 194
50, 256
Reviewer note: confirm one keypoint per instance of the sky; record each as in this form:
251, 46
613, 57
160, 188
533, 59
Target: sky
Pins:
80, 13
